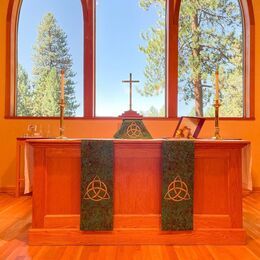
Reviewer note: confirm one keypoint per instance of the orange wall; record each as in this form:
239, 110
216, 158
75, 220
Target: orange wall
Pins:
12, 128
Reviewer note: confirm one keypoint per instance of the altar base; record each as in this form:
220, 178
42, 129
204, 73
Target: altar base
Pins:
137, 195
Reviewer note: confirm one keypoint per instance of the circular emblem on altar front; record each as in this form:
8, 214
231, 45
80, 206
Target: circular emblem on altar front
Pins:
133, 130
177, 190
96, 190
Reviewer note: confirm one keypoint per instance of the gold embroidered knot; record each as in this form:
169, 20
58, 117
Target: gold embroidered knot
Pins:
96, 190
133, 130
177, 190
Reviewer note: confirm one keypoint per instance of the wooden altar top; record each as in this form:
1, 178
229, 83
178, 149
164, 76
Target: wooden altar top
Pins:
158, 140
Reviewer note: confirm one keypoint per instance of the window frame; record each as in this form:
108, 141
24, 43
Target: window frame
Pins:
248, 59
171, 88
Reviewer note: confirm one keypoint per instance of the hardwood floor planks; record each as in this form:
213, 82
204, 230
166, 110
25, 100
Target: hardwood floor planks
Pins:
15, 220
232, 252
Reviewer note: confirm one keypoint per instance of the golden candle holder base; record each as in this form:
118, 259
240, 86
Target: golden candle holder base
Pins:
62, 108
61, 137
217, 135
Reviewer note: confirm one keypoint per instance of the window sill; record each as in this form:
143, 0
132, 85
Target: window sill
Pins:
119, 118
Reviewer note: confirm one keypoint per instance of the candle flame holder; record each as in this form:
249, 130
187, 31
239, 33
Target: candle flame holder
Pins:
217, 135
62, 108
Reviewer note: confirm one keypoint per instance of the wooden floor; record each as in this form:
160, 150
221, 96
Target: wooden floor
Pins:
15, 220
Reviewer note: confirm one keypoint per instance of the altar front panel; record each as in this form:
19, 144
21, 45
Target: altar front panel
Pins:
137, 190
211, 168
137, 194
137, 179
60, 165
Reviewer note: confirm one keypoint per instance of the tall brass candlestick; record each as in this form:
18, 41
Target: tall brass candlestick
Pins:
217, 129
217, 106
62, 107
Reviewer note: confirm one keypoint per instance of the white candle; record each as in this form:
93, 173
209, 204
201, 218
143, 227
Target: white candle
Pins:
217, 86
62, 85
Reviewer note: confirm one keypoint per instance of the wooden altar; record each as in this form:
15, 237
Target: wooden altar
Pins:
137, 194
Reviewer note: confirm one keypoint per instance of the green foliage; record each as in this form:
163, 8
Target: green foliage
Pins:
23, 94
231, 92
47, 94
154, 112
210, 36
154, 50
51, 52
50, 56
146, 4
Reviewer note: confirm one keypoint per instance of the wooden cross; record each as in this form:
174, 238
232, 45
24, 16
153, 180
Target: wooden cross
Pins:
131, 81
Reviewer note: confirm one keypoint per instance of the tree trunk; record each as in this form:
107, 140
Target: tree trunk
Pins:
196, 74
198, 96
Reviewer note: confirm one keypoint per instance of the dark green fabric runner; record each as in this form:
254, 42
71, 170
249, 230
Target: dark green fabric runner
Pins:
97, 160
132, 129
177, 189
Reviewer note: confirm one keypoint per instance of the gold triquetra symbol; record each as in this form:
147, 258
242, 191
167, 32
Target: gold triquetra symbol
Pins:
96, 190
177, 190
133, 130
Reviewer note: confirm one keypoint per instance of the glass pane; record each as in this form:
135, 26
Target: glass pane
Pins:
210, 37
47, 43
130, 38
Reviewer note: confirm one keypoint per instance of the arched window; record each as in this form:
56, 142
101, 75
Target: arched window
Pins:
211, 37
147, 28
47, 43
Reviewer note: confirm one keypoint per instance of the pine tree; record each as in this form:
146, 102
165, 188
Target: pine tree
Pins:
154, 51
50, 56
209, 33
47, 95
23, 94
209, 36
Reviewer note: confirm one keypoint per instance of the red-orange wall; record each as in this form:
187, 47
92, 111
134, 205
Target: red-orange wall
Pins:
12, 128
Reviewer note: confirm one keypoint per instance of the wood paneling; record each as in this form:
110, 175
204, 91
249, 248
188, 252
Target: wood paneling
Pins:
137, 176
137, 237
124, 222
137, 194
211, 182
61, 184
39, 181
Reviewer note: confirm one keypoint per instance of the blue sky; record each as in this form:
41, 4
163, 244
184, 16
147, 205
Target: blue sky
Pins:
119, 25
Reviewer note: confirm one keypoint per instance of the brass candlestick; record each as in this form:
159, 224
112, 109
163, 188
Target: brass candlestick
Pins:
62, 107
217, 129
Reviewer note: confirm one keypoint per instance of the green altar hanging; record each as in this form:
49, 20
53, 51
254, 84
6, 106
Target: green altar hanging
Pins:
97, 161
177, 185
